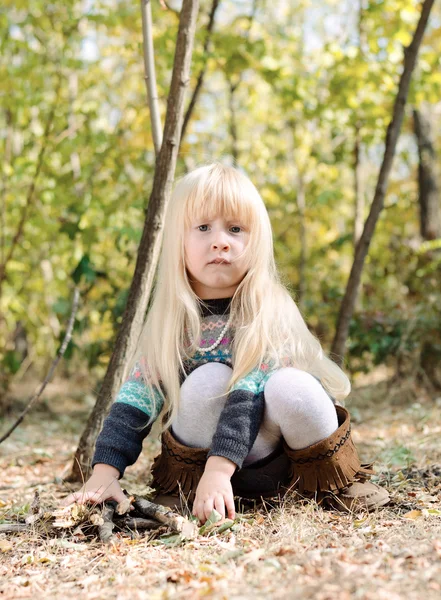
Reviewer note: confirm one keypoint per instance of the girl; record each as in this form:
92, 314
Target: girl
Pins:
247, 399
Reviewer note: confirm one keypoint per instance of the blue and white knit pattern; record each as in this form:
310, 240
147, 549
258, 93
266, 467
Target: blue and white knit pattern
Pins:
136, 393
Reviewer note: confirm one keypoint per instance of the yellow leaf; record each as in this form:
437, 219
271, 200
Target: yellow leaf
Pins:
46, 558
413, 514
5, 546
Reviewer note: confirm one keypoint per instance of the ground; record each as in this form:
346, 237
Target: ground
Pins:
286, 551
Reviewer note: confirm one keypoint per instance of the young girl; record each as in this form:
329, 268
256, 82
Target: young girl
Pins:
247, 399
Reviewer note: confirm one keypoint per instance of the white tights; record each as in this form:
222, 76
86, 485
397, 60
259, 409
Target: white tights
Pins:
296, 407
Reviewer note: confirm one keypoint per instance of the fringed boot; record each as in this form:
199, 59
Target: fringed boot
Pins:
177, 471
330, 471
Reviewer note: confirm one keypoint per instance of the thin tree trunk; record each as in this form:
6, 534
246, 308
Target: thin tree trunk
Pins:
359, 209
358, 189
31, 191
430, 223
150, 74
232, 88
350, 297
201, 76
233, 124
301, 205
429, 193
7, 161
149, 247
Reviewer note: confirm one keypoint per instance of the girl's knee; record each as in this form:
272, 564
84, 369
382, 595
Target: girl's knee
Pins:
207, 383
295, 387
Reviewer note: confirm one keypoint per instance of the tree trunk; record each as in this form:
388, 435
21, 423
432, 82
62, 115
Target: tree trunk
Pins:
430, 223
350, 297
150, 75
201, 76
428, 187
358, 189
30, 197
301, 205
233, 122
149, 247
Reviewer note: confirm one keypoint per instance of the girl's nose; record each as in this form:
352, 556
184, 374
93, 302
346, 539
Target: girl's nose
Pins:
220, 244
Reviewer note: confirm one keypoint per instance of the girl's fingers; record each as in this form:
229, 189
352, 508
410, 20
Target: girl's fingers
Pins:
197, 511
208, 507
229, 505
82, 497
219, 505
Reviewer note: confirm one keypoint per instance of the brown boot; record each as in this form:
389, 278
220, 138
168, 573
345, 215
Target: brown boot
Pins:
330, 471
177, 470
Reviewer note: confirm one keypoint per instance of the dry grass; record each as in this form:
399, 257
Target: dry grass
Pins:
289, 551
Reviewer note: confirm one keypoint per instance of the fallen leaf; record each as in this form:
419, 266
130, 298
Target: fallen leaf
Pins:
124, 506
5, 546
413, 514
96, 519
46, 558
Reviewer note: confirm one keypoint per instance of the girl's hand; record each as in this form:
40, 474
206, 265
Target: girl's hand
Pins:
103, 485
214, 491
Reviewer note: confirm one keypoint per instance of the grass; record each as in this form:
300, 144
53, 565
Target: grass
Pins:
289, 551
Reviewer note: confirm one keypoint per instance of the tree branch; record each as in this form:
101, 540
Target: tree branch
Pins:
150, 74
57, 359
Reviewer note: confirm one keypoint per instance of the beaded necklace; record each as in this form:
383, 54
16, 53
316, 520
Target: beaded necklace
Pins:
218, 340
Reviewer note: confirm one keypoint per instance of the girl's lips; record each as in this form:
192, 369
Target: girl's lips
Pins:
219, 261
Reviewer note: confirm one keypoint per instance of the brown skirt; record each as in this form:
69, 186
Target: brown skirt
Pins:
179, 467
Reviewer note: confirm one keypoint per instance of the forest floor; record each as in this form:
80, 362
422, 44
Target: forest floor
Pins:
286, 551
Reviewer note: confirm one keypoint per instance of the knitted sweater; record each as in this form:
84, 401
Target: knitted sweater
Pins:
120, 441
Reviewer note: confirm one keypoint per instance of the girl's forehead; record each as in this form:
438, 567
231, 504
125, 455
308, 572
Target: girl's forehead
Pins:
210, 217
229, 211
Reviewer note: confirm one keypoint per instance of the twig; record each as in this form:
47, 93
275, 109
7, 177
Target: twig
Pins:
62, 350
140, 523
164, 515
105, 531
12, 527
30, 195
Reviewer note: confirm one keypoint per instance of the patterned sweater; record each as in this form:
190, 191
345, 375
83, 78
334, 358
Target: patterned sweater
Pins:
120, 441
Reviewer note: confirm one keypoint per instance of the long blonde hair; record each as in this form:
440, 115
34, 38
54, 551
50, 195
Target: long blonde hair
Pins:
267, 323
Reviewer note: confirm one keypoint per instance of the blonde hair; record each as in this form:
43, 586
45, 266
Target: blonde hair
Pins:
267, 323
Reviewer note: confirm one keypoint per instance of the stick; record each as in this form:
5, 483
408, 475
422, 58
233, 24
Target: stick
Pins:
105, 531
12, 527
139, 523
164, 515
54, 364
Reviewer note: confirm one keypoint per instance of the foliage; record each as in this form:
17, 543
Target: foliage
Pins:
77, 160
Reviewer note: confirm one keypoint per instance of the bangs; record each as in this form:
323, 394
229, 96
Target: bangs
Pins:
227, 193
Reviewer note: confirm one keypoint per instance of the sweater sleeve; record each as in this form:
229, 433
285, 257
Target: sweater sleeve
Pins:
120, 442
240, 420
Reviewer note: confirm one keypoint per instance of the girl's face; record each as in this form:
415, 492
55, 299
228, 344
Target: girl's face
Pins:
215, 256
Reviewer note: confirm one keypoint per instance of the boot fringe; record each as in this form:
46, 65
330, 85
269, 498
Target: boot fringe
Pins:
178, 467
329, 465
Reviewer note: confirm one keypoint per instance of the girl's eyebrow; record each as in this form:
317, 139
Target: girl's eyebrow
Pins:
227, 220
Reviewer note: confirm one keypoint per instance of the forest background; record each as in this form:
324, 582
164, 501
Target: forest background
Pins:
299, 95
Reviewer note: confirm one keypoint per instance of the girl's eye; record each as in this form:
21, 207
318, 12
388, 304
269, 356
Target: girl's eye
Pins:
236, 227
199, 227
